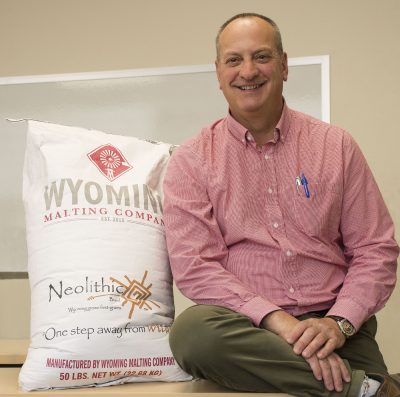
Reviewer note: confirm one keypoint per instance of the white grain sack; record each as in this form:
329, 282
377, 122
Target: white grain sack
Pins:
101, 288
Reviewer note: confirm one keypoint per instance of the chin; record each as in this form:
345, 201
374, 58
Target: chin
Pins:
249, 109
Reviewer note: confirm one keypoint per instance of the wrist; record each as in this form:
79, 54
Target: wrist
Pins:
344, 325
279, 322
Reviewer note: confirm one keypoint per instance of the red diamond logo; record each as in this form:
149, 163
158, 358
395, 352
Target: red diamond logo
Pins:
109, 161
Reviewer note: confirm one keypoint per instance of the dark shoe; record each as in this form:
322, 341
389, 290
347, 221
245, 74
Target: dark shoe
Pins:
390, 385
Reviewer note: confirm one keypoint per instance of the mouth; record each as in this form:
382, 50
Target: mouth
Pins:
249, 87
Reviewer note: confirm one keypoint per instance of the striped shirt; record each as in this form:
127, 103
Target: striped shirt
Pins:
298, 224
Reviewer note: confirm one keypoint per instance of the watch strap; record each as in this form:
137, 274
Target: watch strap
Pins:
345, 326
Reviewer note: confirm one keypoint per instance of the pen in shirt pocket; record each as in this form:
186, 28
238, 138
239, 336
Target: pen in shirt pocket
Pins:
302, 184
298, 184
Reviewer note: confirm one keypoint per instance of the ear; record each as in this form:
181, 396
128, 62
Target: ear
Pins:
218, 71
285, 67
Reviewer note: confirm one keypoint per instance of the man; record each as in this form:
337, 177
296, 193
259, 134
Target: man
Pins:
276, 228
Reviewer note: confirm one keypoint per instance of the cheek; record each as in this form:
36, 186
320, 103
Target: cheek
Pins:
270, 72
226, 77
270, 69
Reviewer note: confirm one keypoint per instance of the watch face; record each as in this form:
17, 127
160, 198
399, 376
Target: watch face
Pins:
347, 328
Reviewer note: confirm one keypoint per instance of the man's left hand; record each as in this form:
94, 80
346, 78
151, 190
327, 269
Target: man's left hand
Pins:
320, 336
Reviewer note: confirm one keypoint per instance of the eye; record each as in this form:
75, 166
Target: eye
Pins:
263, 58
232, 61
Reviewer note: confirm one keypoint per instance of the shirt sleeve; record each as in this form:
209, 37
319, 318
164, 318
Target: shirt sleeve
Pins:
368, 238
197, 250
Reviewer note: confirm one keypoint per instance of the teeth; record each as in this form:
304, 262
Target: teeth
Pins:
249, 87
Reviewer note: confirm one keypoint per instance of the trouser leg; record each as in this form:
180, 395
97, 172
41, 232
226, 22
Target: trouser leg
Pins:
215, 343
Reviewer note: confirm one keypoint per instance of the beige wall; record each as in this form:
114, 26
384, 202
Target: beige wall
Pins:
361, 36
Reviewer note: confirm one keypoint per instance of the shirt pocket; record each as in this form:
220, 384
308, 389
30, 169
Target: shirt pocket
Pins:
318, 215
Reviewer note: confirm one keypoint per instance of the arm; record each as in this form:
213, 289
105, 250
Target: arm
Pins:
196, 247
368, 240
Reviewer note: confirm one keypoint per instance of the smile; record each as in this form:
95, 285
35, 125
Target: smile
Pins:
250, 87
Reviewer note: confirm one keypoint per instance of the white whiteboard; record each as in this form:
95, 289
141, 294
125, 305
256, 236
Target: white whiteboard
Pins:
168, 104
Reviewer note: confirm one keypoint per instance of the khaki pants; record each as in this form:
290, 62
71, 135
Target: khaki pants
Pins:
215, 343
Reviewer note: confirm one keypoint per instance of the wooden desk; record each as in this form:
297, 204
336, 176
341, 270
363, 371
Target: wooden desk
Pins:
13, 351
9, 388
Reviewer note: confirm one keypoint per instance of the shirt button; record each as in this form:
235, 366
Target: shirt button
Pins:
270, 190
266, 157
289, 253
291, 290
276, 225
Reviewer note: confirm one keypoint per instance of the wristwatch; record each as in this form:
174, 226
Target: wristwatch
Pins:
345, 326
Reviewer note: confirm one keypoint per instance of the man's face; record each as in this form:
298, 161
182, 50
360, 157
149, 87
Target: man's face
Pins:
250, 69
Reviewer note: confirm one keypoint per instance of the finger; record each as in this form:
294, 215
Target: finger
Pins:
316, 345
346, 375
336, 372
297, 332
327, 349
305, 339
327, 376
313, 362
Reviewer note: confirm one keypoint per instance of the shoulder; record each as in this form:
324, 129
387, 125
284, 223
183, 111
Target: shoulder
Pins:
314, 125
189, 165
317, 130
199, 147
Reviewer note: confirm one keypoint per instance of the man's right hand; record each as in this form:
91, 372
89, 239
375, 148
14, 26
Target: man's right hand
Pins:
331, 370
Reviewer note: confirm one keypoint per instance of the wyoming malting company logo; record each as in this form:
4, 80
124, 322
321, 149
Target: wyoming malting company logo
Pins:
109, 161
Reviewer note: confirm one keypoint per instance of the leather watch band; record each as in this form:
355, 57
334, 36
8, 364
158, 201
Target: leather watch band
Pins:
345, 326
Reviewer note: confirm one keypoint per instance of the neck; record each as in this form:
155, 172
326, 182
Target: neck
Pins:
261, 124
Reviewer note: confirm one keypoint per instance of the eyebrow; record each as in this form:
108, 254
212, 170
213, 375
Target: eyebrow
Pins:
236, 53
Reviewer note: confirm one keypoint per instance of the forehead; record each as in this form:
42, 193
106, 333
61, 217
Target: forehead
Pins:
244, 33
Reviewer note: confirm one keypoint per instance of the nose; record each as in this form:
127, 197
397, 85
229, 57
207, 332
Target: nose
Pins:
248, 70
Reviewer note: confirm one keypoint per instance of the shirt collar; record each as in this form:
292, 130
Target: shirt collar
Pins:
284, 123
243, 134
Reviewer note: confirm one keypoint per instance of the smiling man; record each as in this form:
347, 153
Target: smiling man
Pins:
277, 230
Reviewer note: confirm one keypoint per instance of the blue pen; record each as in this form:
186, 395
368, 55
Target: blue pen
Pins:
304, 182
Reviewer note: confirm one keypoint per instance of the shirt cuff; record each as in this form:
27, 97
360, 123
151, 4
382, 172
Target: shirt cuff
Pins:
257, 308
350, 310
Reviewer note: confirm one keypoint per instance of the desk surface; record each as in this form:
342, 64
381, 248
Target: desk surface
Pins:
9, 387
13, 351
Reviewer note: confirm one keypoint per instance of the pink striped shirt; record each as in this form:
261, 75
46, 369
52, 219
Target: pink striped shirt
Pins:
242, 232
